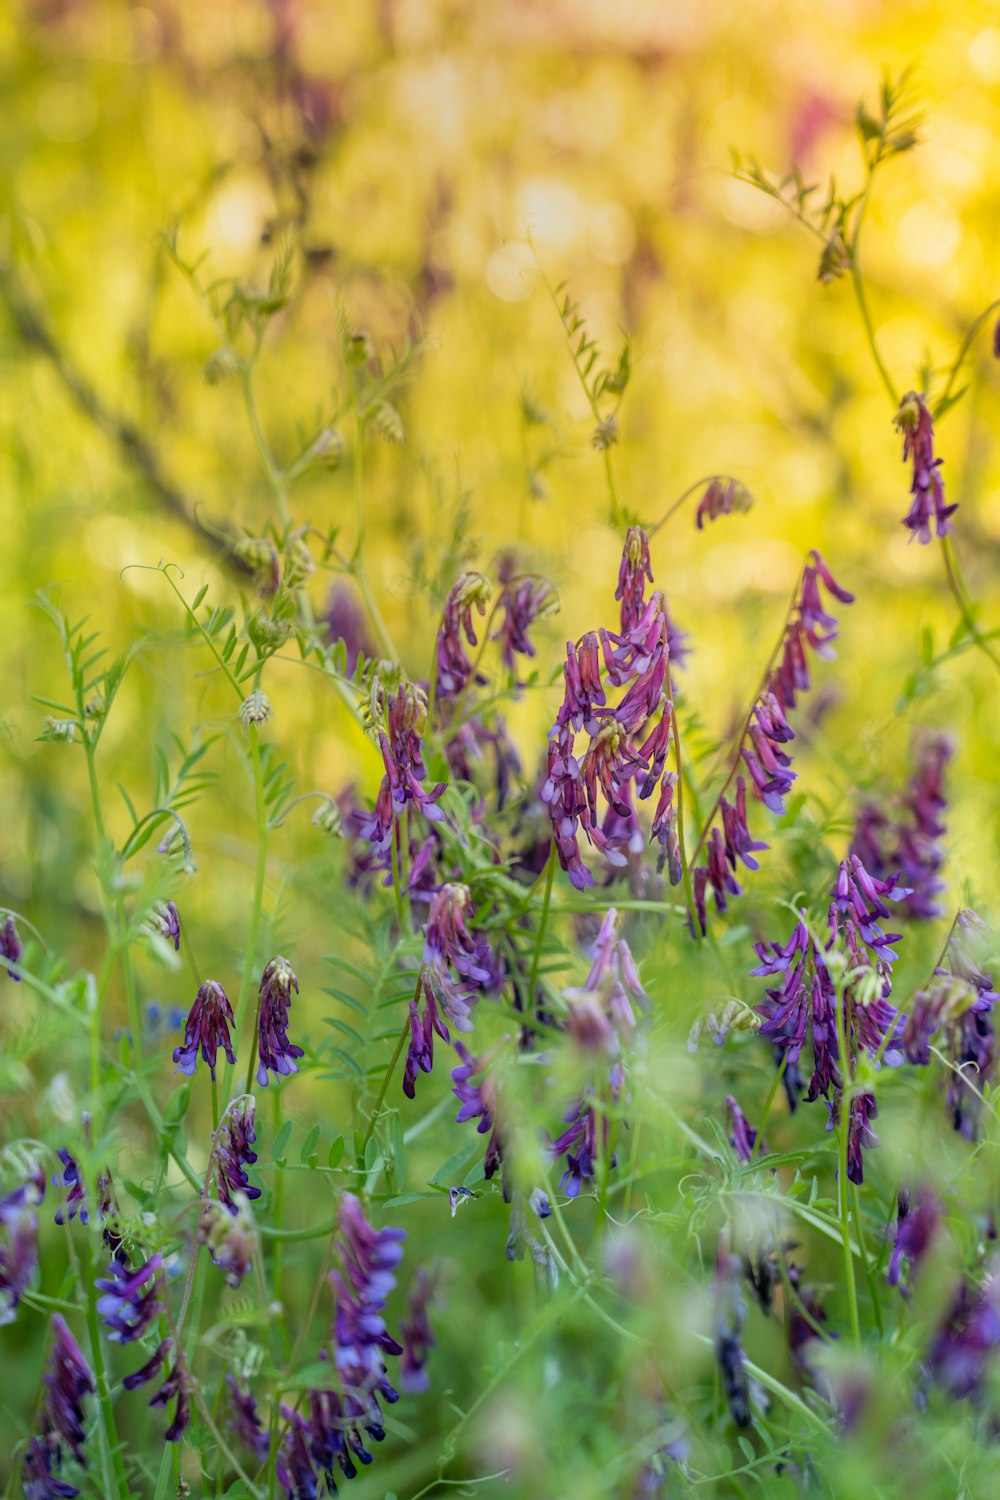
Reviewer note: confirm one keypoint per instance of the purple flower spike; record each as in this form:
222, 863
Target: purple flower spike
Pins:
11, 947
76, 1198
19, 1256
177, 1388
130, 1299
207, 1028
67, 1380
634, 570
916, 1229
448, 940
367, 1274
417, 1338
163, 919
913, 420
233, 1152
471, 592
402, 756
277, 1055
742, 1136
860, 1135
295, 1471
524, 601
244, 1421
478, 1102
723, 497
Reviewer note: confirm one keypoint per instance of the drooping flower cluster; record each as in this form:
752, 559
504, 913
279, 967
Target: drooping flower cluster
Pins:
331, 1435
234, 1153
207, 1028
914, 421
61, 1426
804, 1003
526, 597
176, 1387
472, 591
165, 922
916, 1228
456, 966
764, 744
19, 1256
628, 741
276, 1053
908, 836
402, 755
130, 1299
724, 496
601, 1021
230, 1236
245, 1422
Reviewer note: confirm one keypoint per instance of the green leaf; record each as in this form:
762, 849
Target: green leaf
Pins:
307, 1155
281, 1143
450, 1169
336, 1155
177, 1104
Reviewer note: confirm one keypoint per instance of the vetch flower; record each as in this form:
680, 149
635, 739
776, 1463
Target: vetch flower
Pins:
233, 1152
67, 1379
447, 939
472, 591
366, 1275
914, 421
19, 1256
11, 946
129, 1301
416, 1335
277, 1055
742, 1136
860, 1135
478, 1102
230, 1236
724, 496
730, 1314
244, 1421
916, 1229
523, 601
402, 756
163, 919
76, 1198
969, 1339
207, 1028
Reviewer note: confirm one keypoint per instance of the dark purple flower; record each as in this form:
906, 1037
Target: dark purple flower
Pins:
129, 1301
416, 1335
295, 1471
730, 1313
478, 1102
723, 497
472, 591
918, 853
345, 622
973, 1049
633, 572
524, 600
207, 1028
150, 1369
11, 946
444, 1001
914, 421
67, 1380
163, 919
742, 1136
578, 1143
448, 940
244, 1421
969, 1338
19, 1256
564, 797
277, 1055
664, 831
860, 1135
916, 1228
233, 1151
76, 1198
402, 756
367, 1274
39, 1471
177, 1388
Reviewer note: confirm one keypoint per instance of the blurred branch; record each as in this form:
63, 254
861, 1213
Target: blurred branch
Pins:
134, 447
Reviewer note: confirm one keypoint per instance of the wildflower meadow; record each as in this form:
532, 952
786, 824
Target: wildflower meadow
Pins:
498, 896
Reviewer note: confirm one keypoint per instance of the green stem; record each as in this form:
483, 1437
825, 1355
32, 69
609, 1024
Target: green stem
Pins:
247, 977
536, 957
961, 599
675, 736
866, 1262
273, 469
358, 561
843, 1211
387, 1076
768, 1102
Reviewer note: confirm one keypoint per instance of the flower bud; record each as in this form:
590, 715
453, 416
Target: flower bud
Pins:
256, 709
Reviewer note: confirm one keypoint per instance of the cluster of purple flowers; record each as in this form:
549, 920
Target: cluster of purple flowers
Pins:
402, 756
805, 1001
914, 421
457, 966
765, 741
207, 1029
907, 838
19, 1257
61, 1424
627, 741
472, 591
276, 1053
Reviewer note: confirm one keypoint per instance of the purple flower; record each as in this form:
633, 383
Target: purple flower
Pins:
918, 853
768, 763
39, 1471
471, 591
345, 622
478, 1102
742, 1136
913, 420
860, 1136
19, 1257
448, 940
277, 1055
524, 600
367, 1274
207, 1028
664, 830
130, 1299
969, 1338
417, 1338
11, 946
176, 1388
233, 1151
295, 1471
402, 756
440, 994
244, 1421
724, 496
67, 1380
578, 1143
635, 568
230, 1236
71, 1178
730, 1313
163, 919
916, 1228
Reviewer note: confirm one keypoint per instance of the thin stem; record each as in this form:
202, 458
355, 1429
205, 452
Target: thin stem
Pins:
671, 510
675, 735
843, 1133
386, 1077
768, 1102
963, 351
866, 1262
275, 473
358, 561
246, 978
955, 585
536, 956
